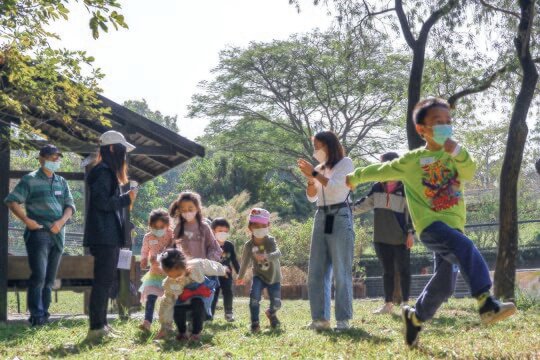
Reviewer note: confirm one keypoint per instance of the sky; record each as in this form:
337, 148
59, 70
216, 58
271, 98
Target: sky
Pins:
172, 45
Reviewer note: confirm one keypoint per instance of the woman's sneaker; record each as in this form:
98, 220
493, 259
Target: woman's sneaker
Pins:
385, 309
255, 328
411, 331
493, 311
95, 336
274, 321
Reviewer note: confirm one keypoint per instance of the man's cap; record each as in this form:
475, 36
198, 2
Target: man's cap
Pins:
49, 150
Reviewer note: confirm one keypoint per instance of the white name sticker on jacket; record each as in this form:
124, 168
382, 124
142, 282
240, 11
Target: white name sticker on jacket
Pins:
427, 161
58, 192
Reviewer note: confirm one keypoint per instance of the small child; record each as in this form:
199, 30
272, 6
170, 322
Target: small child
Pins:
193, 235
221, 228
154, 243
433, 176
186, 290
264, 253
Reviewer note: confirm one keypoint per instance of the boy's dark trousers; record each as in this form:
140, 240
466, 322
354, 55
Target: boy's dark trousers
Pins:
198, 316
451, 247
226, 286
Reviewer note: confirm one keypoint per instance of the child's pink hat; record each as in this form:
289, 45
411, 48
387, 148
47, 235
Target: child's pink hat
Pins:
259, 216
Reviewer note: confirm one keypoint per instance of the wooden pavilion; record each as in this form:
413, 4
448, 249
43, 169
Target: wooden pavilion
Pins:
158, 150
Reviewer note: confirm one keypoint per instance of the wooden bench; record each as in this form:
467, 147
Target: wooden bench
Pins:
75, 273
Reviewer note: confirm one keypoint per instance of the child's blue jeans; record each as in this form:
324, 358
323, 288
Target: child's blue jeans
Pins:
274, 293
450, 246
149, 308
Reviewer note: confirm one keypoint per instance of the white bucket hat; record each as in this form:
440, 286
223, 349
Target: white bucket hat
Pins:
114, 137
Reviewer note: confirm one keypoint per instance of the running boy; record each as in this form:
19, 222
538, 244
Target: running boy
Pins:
433, 176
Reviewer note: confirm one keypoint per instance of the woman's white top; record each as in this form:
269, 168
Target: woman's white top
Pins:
336, 190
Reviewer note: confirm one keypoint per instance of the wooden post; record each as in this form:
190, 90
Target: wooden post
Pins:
124, 294
4, 218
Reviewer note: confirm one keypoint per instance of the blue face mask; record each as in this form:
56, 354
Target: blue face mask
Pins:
158, 233
52, 165
441, 133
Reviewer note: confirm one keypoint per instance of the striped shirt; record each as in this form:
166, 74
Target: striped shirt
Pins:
44, 199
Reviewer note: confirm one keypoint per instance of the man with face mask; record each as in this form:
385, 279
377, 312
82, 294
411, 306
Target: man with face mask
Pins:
48, 206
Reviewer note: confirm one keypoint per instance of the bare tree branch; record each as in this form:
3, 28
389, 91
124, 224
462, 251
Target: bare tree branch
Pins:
495, 8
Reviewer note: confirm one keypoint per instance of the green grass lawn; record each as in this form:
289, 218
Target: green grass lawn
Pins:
454, 333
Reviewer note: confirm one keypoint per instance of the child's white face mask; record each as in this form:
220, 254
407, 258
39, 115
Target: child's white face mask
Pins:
189, 216
222, 236
260, 233
158, 232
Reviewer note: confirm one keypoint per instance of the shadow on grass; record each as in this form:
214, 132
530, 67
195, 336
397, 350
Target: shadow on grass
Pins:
21, 330
218, 326
355, 334
171, 344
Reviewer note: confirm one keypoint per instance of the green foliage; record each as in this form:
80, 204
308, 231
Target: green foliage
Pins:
39, 83
141, 107
283, 92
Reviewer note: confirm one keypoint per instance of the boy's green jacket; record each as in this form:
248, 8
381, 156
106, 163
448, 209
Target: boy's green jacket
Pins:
433, 184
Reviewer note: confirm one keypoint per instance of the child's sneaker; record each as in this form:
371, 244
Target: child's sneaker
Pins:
182, 337
255, 328
229, 317
411, 330
145, 326
274, 321
493, 310
162, 333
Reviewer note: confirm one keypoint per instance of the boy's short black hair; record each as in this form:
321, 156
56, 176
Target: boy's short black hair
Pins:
220, 222
389, 156
421, 109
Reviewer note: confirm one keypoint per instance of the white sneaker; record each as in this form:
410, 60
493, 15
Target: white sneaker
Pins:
385, 309
342, 325
229, 317
319, 325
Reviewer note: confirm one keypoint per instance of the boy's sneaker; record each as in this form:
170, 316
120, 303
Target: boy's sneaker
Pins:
319, 325
342, 325
255, 328
411, 330
385, 309
493, 311
182, 337
229, 317
274, 321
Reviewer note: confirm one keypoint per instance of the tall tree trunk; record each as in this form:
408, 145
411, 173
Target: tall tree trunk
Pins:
415, 88
505, 268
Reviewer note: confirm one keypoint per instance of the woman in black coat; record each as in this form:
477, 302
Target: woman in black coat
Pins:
104, 226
